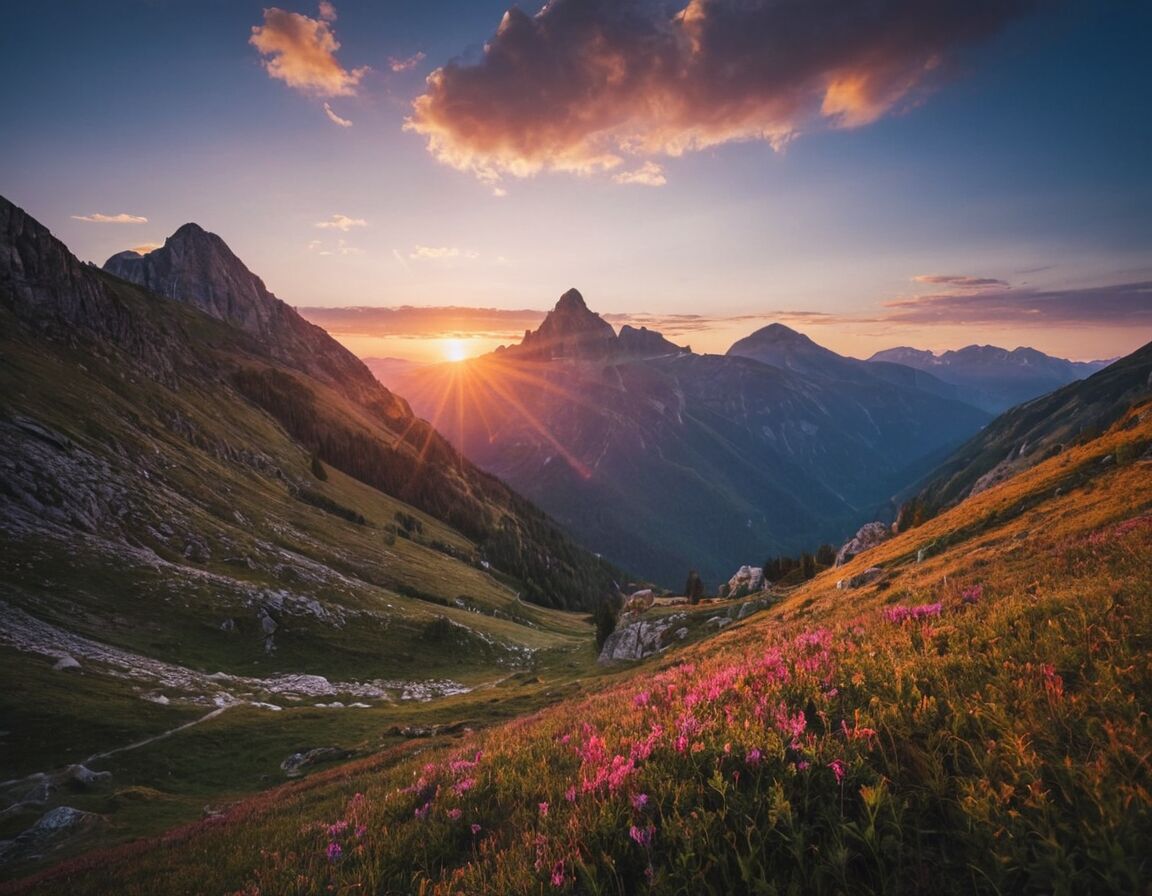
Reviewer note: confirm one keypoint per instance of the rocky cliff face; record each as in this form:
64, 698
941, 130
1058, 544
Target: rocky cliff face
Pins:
197, 267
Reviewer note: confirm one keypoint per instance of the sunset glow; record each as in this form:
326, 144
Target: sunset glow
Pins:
885, 176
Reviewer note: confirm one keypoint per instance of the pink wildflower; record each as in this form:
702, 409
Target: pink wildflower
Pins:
641, 699
558, 874
475, 829
639, 801
422, 812
454, 814
334, 851
570, 794
643, 836
838, 770
752, 759
543, 808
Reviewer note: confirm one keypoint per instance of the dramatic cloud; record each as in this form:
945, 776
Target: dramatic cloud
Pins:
585, 84
301, 52
111, 219
960, 282
441, 253
1122, 304
341, 222
648, 175
336, 119
405, 65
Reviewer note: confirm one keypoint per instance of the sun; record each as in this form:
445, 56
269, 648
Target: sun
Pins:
454, 349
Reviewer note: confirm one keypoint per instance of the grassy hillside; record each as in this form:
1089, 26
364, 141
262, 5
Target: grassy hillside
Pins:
975, 722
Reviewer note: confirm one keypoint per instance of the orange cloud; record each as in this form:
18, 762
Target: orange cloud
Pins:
648, 175
341, 222
584, 85
121, 218
301, 52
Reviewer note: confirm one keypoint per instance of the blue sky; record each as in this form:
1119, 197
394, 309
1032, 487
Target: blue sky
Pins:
1023, 159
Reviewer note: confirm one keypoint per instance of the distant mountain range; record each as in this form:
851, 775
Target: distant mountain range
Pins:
993, 378
1033, 432
667, 460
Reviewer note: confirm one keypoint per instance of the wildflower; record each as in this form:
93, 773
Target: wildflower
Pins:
422, 812
972, 594
475, 829
639, 801
543, 808
641, 699
454, 814
643, 836
335, 830
460, 787
334, 851
361, 830
752, 759
838, 770
570, 794
558, 874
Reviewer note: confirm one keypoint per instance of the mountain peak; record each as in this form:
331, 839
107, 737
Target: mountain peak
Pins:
191, 229
570, 331
571, 301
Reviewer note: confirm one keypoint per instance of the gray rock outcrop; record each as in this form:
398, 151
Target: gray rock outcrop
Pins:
868, 536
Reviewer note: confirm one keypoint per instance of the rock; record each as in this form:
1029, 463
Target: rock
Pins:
635, 641
747, 609
870, 575
747, 580
67, 664
80, 777
681, 634
228, 625
639, 601
295, 764
869, 535
197, 551
719, 621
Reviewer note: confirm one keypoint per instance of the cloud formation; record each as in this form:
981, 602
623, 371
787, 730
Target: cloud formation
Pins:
441, 253
647, 175
341, 222
960, 282
121, 218
585, 84
334, 118
1117, 305
301, 52
405, 65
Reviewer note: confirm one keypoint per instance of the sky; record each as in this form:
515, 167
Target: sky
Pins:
898, 172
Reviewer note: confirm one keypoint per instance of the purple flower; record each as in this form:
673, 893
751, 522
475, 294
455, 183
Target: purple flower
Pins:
558, 874
643, 836
639, 801
454, 814
837, 769
334, 851
753, 758
475, 829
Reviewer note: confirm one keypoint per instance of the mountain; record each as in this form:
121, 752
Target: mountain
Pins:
783, 347
990, 377
1035, 431
664, 460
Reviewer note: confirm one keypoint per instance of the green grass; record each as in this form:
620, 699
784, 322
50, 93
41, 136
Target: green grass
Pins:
997, 742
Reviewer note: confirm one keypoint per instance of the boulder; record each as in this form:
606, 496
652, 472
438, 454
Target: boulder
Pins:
747, 580
870, 575
869, 535
67, 664
635, 641
295, 764
639, 601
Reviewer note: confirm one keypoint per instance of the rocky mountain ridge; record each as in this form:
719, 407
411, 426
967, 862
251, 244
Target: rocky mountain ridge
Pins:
991, 377
670, 460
